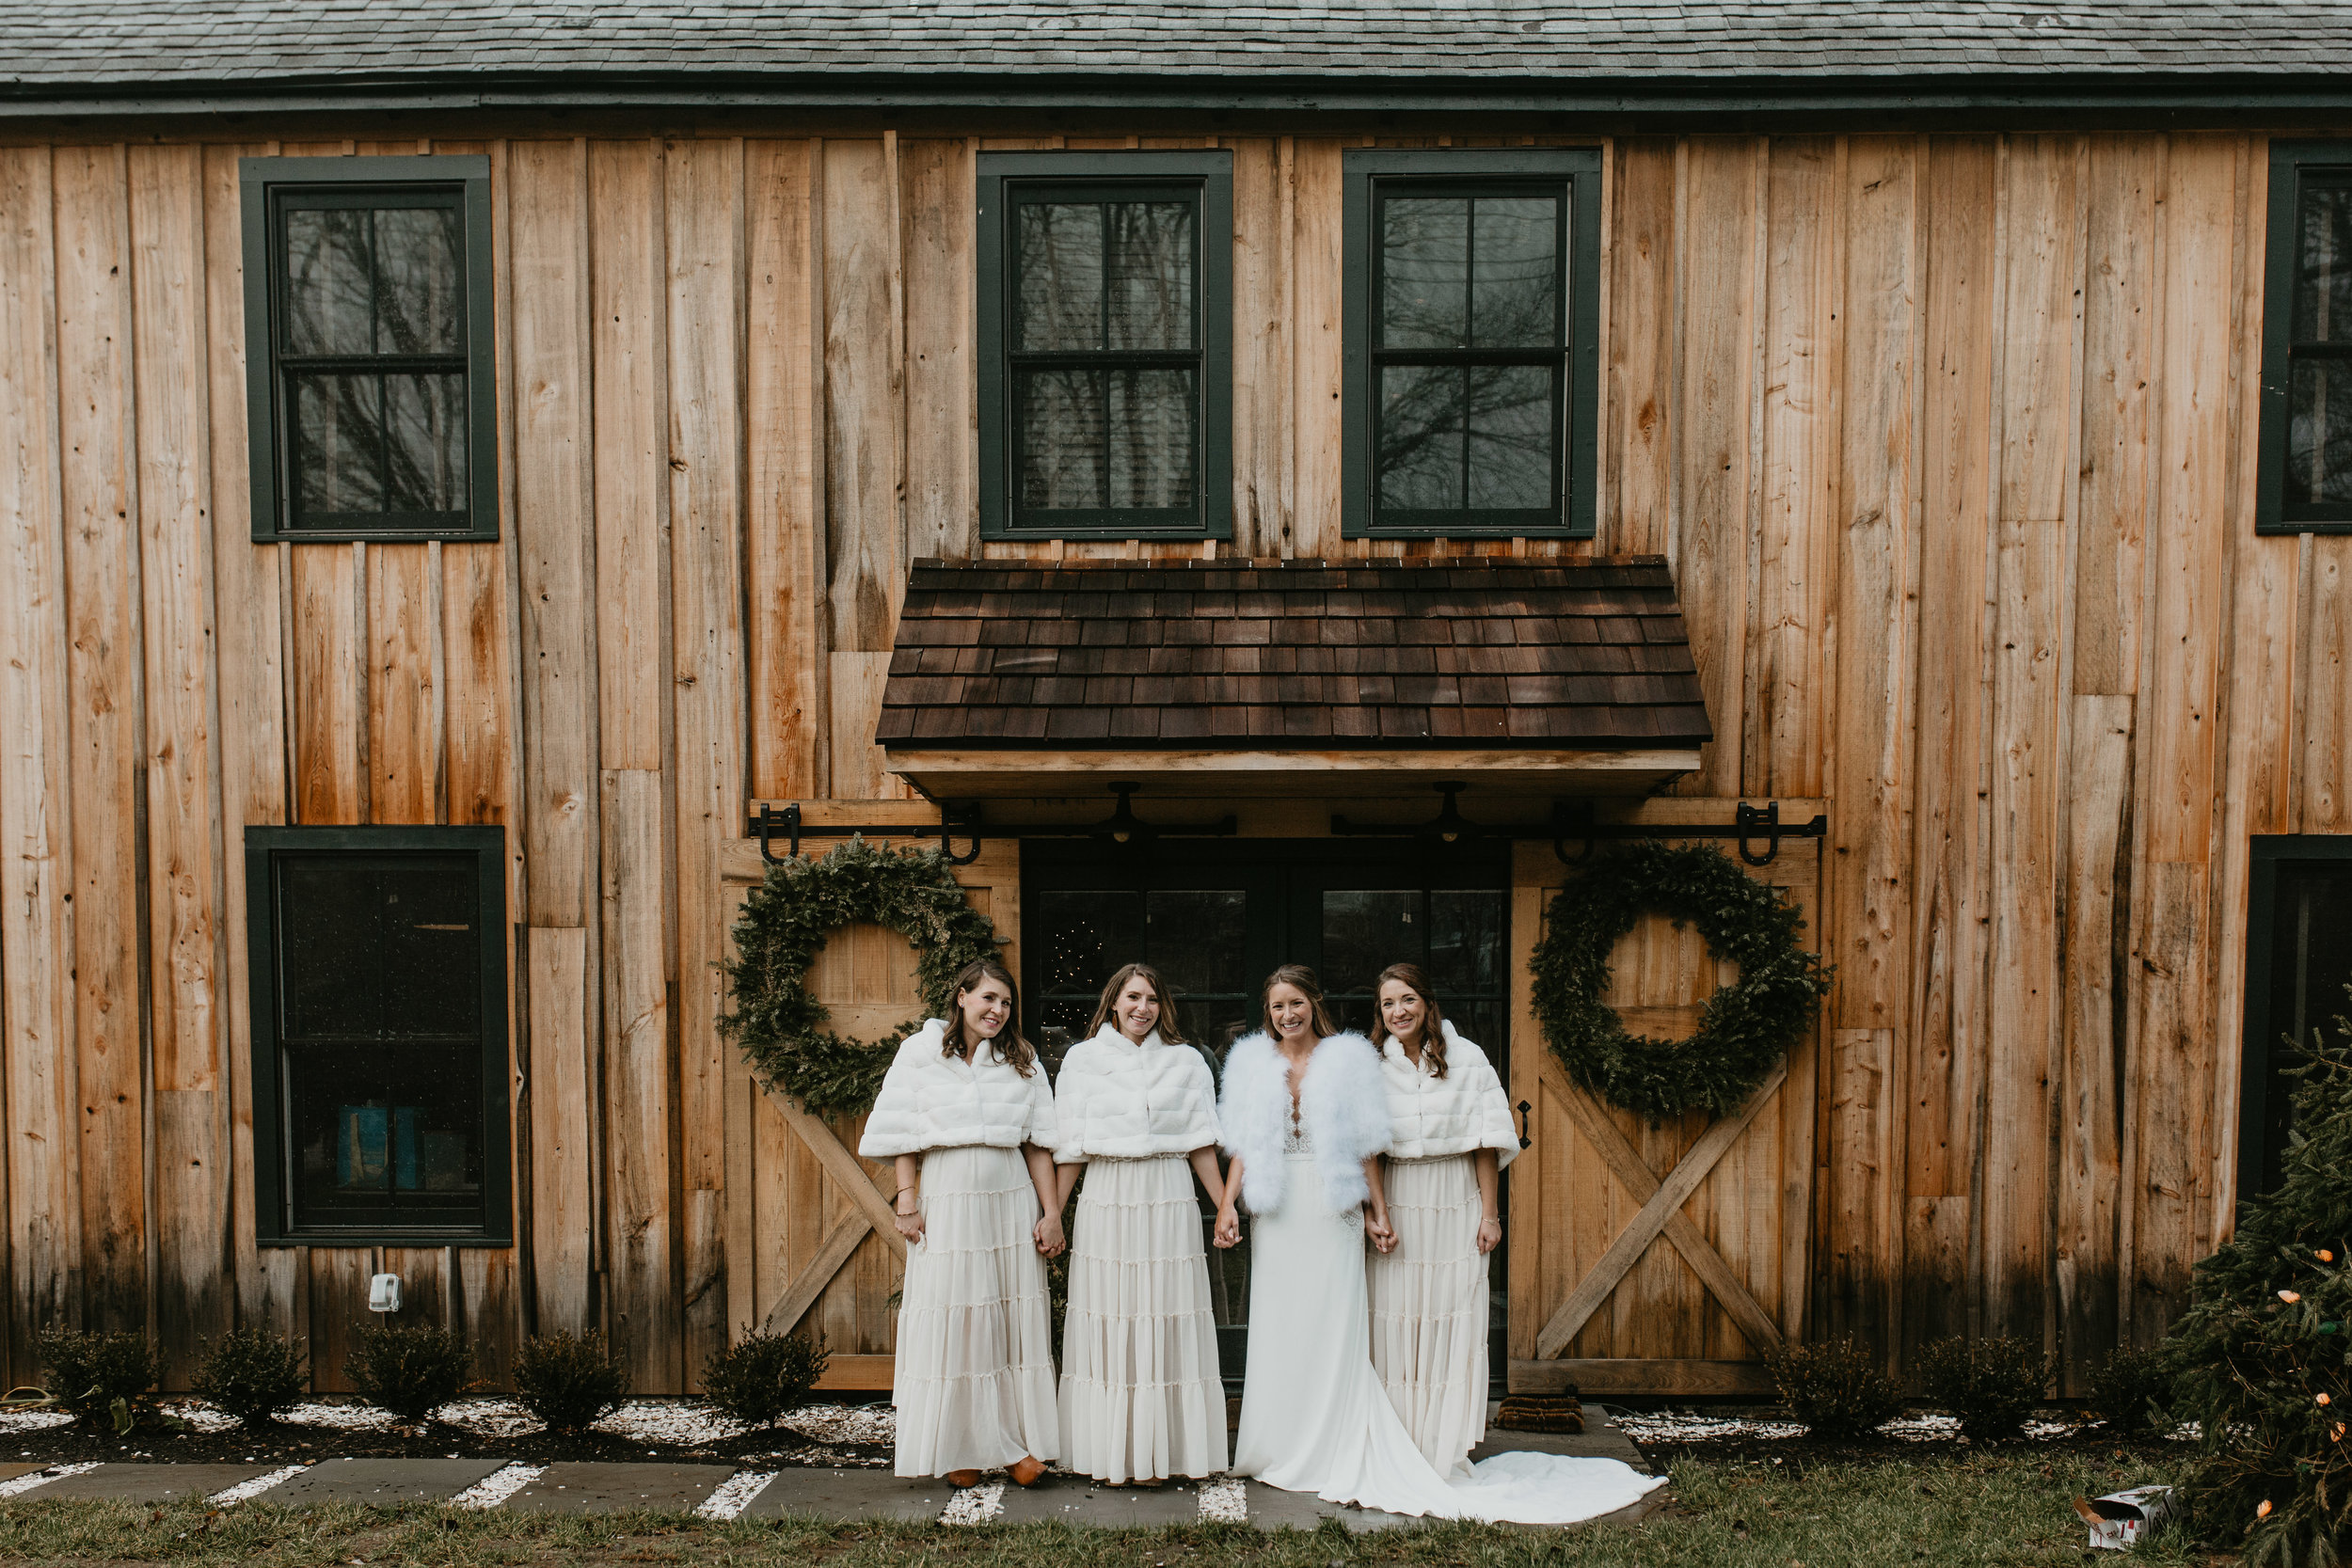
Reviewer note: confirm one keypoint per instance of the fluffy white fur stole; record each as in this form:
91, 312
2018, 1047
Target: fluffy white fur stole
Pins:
1342, 1101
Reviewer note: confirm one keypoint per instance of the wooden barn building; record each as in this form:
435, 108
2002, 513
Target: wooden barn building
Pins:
461, 463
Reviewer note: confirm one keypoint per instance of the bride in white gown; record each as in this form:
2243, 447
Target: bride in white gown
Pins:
1303, 1112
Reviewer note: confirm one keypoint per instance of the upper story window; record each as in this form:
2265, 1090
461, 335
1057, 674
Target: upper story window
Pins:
1106, 294
369, 359
1472, 310
2306, 458
379, 1033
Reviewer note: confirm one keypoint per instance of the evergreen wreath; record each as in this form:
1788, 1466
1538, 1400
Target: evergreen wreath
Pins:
1749, 1025
780, 1026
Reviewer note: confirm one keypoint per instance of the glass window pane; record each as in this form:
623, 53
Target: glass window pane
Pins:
1193, 939
328, 288
338, 458
1424, 266
1086, 935
1059, 296
384, 1134
1151, 429
1420, 437
1151, 274
2310, 966
1515, 286
425, 428
2323, 265
2319, 431
420, 280
378, 947
1512, 436
1465, 943
1062, 438
1363, 932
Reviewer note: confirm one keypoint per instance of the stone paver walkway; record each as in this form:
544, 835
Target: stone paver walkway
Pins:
842, 1495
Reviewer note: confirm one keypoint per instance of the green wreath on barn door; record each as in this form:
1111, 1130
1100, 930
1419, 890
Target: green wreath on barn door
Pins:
786, 920
1748, 1025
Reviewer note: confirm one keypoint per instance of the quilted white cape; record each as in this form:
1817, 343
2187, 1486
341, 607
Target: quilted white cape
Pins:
1120, 1101
930, 1100
1466, 1109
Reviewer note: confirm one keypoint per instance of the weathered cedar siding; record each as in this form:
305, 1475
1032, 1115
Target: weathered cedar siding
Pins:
1947, 438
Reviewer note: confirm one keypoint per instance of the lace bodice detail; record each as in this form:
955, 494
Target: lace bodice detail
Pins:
1298, 1140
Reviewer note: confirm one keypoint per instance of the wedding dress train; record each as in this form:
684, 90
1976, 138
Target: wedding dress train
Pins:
1315, 1417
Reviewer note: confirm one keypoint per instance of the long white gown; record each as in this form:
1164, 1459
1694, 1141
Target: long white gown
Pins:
1315, 1417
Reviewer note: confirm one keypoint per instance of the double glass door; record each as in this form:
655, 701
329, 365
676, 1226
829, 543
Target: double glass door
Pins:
1216, 918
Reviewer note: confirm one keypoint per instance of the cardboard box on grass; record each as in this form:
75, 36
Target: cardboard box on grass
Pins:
2122, 1520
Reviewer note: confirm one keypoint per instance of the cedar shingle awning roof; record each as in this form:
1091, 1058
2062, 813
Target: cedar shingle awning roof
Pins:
1571, 665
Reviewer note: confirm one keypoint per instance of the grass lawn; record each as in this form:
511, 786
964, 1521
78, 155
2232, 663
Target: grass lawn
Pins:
1984, 1509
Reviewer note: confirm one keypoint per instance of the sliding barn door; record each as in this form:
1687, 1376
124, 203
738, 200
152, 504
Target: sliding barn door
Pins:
1656, 1258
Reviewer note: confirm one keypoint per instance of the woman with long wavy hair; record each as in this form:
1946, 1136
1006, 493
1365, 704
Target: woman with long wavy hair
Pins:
1142, 1396
967, 1116
1450, 1135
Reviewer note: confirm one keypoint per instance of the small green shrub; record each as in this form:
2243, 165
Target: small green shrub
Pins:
1991, 1385
411, 1371
253, 1373
762, 1376
103, 1379
1837, 1389
2131, 1392
569, 1380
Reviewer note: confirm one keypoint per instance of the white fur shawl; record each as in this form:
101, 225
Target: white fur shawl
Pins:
1117, 1100
930, 1099
1463, 1112
1340, 1102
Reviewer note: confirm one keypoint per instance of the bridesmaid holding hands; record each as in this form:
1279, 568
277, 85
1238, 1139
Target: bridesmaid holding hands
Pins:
1141, 1395
966, 1113
1450, 1126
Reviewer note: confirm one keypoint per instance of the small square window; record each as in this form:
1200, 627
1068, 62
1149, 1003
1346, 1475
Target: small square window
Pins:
369, 363
1106, 333
379, 1040
1472, 301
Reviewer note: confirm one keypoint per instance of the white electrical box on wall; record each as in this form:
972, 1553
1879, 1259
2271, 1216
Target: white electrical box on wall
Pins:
384, 1293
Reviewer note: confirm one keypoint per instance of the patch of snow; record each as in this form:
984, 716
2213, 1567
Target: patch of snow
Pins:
496, 1487
492, 1418
734, 1494
346, 1418
845, 1423
828, 1459
42, 1478
1223, 1501
201, 1415
258, 1485
671, 1423
975, 1505
34, 1420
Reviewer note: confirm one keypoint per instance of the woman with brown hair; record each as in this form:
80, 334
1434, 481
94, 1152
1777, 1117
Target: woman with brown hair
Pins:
1142, 1396
1450, 1126
967, 1114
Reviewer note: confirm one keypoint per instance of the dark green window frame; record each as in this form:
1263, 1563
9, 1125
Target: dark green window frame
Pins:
268, 186
2293, 165
265, 848
1206, 179
1371, 174
2264, 1031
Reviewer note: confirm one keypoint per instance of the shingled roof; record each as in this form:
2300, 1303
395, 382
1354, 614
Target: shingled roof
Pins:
1574, 656
117, 52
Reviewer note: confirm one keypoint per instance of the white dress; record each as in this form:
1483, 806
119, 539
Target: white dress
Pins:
1315, 1417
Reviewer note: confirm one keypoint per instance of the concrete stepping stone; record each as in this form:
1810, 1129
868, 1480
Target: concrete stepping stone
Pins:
381, 1483
586, 1488
850, 1494
1083, 1500
1271, 1508
150, 1483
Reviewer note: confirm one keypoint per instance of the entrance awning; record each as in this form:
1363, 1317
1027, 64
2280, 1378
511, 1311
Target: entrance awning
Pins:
1332, 678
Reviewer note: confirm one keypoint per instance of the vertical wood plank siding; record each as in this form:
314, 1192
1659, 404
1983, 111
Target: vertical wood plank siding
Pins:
1948, 439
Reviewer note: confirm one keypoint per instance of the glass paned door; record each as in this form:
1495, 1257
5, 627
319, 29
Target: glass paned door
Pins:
1217, 918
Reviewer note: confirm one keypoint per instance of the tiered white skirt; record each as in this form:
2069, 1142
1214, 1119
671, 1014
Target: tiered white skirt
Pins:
1429, 1309
1140, 1392
974, 1380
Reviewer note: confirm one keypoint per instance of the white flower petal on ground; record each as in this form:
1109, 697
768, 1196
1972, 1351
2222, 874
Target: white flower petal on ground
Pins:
975, 1505
1224, 1501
